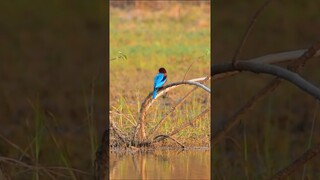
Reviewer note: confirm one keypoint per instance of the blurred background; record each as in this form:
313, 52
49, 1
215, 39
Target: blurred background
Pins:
278, 129
54, 79
53, 91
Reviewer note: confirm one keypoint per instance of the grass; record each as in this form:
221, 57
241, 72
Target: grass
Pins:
38, 135
52, 50
89, 102
151, 39
30, 163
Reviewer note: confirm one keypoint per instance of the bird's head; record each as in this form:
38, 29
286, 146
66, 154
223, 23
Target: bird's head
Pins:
163, 71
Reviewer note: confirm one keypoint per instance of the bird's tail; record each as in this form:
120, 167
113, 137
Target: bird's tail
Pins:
154, 93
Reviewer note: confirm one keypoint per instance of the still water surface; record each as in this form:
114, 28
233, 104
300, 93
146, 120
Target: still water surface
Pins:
166, 164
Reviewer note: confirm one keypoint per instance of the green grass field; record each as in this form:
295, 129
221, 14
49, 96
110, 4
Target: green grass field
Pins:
173, 37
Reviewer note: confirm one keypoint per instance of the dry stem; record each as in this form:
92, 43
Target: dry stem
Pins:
140, 128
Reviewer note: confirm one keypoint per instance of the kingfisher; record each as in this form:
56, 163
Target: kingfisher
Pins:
159, 81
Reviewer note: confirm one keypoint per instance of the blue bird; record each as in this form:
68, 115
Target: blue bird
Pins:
159, 81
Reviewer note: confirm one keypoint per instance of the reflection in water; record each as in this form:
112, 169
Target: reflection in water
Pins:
161, 165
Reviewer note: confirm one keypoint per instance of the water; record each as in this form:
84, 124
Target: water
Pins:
165, 164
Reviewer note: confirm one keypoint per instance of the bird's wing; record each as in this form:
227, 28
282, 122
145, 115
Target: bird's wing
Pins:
158, 80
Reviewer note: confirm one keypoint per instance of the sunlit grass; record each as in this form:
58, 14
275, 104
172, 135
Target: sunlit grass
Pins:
154, 39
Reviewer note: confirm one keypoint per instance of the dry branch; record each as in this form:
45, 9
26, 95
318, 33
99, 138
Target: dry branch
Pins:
308, 155
282, 56
307, 54
276, 71
140, 128
117, 131
167, 136
271, 59
294, 66
248, 31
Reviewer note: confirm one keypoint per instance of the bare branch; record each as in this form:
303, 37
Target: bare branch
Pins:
249, 29
235, 118
294, 66
271, 59
282, 56
117, 131
201, 79
166, 136
308, 155
171, 86
280, 72
197, 59
149, 101
185, 74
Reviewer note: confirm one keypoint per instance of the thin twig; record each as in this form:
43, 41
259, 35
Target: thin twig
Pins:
41, 167
15, 146
297, 164
32, 167
69, 168
249, 29
185, 74
167, 136
117, 132
123, 115
23, 152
